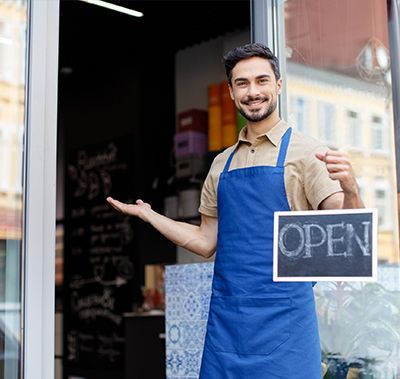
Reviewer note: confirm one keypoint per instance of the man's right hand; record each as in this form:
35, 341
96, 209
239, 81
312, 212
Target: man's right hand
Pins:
140, 209
201, 240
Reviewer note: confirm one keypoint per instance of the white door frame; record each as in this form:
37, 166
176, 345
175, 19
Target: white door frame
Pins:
268, 27
38, 284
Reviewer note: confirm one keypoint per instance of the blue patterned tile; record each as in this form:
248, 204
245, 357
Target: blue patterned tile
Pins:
187, 299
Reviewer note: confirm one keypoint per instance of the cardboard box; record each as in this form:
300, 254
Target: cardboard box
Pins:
194, 120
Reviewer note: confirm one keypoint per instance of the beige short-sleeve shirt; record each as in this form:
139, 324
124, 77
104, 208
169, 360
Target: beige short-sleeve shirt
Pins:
306, 179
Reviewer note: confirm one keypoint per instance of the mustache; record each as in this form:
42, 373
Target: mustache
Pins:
247, 100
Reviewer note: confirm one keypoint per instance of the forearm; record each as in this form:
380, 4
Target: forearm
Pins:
342, 200
186, 235
352, 200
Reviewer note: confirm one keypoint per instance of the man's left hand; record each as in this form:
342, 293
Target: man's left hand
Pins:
339, 168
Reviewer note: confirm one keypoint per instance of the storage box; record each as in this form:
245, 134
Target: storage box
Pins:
190, 142
190, 166
193, 119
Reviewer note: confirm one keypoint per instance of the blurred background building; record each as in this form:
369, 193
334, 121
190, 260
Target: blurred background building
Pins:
339, 87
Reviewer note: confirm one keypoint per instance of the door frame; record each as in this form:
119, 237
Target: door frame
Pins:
38, 252
267, 24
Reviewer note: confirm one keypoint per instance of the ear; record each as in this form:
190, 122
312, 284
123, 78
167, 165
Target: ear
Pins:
279, 86
231, 92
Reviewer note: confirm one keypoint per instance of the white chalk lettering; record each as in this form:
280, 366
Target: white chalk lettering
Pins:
309, 245
365, 244
282, 241
301, 241
335, 241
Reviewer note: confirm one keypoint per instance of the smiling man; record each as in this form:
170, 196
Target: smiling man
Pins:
258, 328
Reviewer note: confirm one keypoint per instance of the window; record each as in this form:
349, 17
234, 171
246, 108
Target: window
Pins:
378, 135
298, 114
354, 129
382, 203
326, 122
362, 185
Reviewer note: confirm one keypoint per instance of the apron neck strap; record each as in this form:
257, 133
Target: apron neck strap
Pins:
283, 149
228, 162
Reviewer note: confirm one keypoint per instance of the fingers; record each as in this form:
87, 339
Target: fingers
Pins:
333, 156
137, 209
341, 176
339, 168
320, 156
337, 161
141, 202
335, 167
116, 204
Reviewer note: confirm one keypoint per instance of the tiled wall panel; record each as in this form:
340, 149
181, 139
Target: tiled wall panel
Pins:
187, 292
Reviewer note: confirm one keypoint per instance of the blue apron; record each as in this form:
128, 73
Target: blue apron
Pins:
257, 329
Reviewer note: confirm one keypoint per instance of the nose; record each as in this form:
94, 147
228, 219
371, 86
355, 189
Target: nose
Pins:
253, 89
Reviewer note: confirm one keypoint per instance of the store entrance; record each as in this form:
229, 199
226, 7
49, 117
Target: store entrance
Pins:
124, 82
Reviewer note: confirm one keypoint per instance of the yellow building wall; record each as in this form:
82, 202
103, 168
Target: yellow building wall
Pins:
12, 110
369, 166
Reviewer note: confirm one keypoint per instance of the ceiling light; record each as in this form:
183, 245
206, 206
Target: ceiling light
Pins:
114, 7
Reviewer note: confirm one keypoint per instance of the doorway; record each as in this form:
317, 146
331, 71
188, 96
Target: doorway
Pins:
123, 82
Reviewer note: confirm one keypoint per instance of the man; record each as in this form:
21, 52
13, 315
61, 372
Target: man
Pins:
257, 328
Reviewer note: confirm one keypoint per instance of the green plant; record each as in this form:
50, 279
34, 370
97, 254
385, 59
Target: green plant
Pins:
358, 322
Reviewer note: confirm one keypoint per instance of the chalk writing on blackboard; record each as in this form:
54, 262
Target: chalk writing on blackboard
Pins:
92, 172
325, 245
101, 267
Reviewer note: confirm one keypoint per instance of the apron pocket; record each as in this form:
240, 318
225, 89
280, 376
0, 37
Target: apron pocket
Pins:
263, 324
248, 325
222, 332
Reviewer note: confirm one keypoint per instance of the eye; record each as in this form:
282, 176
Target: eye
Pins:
264, 81
241, 84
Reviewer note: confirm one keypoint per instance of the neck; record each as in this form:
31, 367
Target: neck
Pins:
255, 129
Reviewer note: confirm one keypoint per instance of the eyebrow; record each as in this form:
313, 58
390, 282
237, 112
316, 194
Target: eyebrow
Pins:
267, 76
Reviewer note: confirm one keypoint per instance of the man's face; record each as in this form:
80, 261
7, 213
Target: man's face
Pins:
254, 88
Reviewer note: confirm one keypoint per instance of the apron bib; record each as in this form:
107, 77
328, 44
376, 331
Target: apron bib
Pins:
256, 329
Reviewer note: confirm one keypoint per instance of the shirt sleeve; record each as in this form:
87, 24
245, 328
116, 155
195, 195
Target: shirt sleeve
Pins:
208, 197
317, 183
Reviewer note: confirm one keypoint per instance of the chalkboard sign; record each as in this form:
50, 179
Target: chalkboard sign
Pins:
101, 265
326, 245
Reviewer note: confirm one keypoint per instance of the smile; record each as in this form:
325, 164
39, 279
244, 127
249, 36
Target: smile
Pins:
255, 103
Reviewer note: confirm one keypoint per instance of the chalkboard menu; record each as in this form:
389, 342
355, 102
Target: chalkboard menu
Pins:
101, 275
328, 245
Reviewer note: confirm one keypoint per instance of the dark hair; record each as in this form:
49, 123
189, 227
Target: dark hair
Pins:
247, 51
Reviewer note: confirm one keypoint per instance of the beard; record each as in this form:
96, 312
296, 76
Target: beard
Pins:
257, 116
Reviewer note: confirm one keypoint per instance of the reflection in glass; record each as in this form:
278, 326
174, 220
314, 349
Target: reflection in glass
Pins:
338, 58
13, 20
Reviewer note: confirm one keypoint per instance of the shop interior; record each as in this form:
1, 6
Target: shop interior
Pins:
135, 103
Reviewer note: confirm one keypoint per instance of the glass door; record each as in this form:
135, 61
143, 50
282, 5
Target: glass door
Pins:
340, 65
28, 72
13, 36
339, 90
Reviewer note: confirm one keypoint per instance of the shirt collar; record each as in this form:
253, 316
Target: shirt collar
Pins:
274, 135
